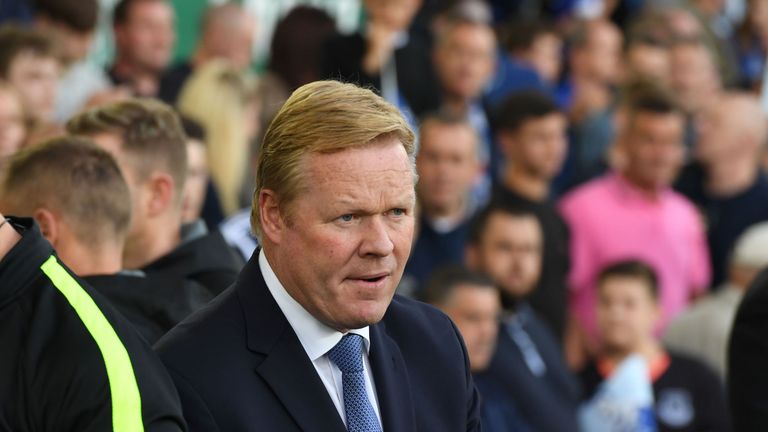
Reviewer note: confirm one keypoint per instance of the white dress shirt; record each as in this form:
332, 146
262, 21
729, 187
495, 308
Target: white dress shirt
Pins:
317, 339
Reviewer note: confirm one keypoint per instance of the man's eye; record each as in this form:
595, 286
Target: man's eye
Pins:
398, 212
346, 218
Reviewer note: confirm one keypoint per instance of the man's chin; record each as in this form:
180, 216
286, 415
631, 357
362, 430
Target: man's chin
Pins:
362, 319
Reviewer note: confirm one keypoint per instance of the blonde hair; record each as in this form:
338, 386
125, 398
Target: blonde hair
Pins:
322, 117
216, 97
150, 133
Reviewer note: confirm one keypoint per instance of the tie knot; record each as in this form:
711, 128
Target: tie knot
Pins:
347, 355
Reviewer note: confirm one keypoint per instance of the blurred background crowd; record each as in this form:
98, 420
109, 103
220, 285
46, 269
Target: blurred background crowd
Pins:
591, 172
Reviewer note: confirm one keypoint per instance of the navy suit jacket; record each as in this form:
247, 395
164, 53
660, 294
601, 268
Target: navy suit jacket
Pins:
239, 366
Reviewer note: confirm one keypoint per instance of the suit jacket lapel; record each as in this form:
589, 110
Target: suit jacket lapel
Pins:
284, 364
391, 379
293, 378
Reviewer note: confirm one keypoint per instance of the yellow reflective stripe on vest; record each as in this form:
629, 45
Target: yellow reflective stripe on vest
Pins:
126, 399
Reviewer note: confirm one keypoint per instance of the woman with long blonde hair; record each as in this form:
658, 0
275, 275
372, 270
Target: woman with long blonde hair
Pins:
223, 99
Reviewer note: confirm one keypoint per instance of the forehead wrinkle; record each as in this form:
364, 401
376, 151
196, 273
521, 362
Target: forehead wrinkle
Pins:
381, 187
363, 193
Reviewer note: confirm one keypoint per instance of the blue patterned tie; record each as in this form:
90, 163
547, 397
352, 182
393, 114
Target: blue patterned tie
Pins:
347, 355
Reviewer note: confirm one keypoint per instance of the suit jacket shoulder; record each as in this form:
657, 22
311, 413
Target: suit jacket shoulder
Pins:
438, 381
239, 366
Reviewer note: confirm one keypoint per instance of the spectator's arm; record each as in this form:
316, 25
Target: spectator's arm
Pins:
701, 270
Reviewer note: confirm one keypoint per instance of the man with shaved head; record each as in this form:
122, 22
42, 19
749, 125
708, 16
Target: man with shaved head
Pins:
228, 32
725, 180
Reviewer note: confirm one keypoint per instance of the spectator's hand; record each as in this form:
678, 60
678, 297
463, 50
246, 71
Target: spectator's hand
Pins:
589, 97
381, 43
576, 346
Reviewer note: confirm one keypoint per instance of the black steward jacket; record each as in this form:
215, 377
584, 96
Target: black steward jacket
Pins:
58, 339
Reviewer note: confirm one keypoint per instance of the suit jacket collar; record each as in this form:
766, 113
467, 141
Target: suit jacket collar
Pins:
284, 366
392, 383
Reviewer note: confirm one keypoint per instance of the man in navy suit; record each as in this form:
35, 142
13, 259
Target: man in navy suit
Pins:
310, 337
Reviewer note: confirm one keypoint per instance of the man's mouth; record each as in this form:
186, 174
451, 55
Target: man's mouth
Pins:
371, 278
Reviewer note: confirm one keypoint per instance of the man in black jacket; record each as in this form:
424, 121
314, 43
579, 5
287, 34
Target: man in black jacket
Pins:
76, 193
148, 142
69, 361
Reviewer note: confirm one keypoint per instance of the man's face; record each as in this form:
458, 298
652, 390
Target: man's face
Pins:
626, 313
146, 39
465, 60
694, 76
36, 78
600, 58
545, 56
539, 146
12, 128
757, 14
138, 189
347, 236
196, 183
475, 311
717, 135
393, 14
509, 251
447, 165
648, 61
234, 42
654, 149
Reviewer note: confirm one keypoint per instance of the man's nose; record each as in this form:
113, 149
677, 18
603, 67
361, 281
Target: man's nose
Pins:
375, 238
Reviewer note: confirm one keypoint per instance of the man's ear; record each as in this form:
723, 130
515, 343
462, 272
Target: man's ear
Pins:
505, 141
272, 222
161, 193
49, 225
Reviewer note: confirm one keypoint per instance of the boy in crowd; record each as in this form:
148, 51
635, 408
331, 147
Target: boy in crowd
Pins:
688, 396
29, 62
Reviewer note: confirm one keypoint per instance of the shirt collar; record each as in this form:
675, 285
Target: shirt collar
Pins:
316, 337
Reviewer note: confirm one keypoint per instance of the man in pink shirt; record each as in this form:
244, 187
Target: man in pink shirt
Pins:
632, 213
